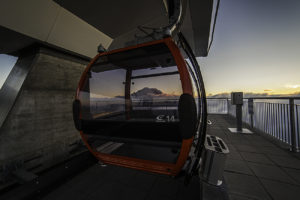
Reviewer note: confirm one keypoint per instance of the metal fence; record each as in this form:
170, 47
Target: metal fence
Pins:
278, 117
217, 106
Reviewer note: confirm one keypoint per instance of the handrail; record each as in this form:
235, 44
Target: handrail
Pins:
256, 98
279, 119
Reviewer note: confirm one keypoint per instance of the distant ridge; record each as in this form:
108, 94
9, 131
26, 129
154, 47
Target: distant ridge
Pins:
250, 94
147, 92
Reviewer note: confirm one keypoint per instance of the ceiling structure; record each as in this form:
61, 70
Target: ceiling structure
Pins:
120, 19
80, 26
115, 17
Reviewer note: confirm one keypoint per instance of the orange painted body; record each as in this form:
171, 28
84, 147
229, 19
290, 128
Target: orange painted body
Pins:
140, 164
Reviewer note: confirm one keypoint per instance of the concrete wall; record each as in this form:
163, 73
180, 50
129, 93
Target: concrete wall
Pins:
39, 130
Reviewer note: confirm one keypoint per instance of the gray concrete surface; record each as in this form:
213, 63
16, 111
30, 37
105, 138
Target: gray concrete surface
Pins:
257, 168
39, 130
112, 182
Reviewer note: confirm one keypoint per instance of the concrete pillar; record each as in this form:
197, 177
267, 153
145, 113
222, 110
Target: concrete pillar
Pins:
39, 131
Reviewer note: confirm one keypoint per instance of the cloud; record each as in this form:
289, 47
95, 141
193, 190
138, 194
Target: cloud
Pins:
293, 86
267, 90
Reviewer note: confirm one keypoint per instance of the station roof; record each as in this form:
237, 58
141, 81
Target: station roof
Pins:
119, 19
80, 26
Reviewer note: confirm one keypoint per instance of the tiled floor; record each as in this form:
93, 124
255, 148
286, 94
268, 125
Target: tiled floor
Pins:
256, 168
114, 183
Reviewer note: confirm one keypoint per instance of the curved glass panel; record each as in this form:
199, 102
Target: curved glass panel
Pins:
132, 94
196, 87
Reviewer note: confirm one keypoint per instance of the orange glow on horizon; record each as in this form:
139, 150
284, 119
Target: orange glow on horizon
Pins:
288, 92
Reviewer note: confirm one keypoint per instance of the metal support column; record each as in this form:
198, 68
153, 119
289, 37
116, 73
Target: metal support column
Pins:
128, 103
239, 122
227, 101
251, 111
295, 146
237, 100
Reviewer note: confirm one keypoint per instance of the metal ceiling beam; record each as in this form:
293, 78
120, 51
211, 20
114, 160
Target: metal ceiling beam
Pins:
115, 17
201, 12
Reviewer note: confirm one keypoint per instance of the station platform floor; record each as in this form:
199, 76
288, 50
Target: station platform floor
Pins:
114, 183
256, 168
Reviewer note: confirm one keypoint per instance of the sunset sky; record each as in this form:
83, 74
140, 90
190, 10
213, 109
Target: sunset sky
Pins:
256, 48
111, 83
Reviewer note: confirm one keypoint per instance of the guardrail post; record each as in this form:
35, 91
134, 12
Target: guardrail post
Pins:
227, 100
250, 111
294, 147
239, 117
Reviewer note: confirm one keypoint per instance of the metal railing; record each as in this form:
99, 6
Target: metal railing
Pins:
217, 105
278, 117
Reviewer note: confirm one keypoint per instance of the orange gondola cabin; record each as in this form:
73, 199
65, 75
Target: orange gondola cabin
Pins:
141, 101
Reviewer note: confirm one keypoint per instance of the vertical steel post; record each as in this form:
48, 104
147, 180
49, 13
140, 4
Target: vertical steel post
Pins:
295, 147
297, 124
239, 117
251, 111
227, 106
128, 103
